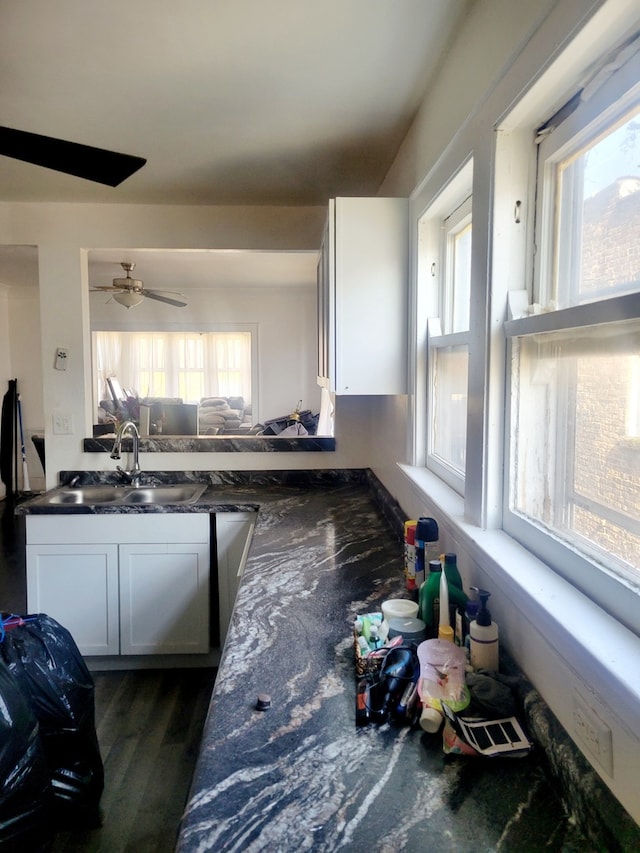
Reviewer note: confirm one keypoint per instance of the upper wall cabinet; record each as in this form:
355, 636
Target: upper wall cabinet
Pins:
362, 297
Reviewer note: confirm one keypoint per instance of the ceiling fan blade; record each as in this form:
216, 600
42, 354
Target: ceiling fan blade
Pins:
150, 294
72, 158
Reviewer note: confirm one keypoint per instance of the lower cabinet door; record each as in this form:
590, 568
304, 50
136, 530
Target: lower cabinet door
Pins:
79, 589
164, 599
234, 531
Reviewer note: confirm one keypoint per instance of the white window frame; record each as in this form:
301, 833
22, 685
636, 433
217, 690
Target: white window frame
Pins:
611, 100
442, 217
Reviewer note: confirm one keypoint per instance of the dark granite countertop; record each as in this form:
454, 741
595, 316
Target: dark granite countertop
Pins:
301, 776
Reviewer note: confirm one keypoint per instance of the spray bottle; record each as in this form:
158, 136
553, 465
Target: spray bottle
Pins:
410, 554
429, 599
426, 547
483, 636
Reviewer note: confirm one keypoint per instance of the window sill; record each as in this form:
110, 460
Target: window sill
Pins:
590, 641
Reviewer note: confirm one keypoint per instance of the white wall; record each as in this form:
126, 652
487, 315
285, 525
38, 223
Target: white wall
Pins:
561, 639
20, 358
26, 360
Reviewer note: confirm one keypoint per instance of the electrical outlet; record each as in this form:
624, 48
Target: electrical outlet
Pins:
592, 733
62, 424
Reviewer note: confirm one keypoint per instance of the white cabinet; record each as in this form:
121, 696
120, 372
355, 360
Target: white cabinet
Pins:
233, 539
123, 584
78, 586
362, 297
164, 599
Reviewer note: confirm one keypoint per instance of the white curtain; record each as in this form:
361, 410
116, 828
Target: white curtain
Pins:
190, 365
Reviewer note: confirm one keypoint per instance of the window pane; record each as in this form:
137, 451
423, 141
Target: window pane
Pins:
461, 284
449, 428
599, 227
576, 462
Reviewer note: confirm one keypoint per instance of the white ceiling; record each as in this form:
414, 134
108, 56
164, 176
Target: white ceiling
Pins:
230, 101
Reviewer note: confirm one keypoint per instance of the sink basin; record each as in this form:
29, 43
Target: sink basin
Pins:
174, 494
178, 493
87, 495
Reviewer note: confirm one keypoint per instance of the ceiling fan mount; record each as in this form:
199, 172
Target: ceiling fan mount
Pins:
130, 291
128, 283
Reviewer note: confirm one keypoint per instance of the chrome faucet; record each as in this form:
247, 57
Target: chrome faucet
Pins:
133, 476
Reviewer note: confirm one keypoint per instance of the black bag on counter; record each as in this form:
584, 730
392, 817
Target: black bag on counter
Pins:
25, 783
46, 663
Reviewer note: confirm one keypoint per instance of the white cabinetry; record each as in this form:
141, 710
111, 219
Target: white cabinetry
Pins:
362, 297
233, 539
123, 584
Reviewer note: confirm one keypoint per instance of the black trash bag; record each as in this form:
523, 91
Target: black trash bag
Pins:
25, 782
44, 659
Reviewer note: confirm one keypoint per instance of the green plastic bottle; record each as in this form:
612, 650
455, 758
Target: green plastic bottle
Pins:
451, 570
429, 598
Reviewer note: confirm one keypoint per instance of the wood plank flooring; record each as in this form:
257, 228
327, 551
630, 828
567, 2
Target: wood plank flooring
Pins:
149, 724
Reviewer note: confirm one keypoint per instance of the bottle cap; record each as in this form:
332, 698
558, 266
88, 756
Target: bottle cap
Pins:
445, 632
430, 720
427, 530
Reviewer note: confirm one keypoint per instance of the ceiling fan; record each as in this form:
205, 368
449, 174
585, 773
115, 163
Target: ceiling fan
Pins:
130, 291
72, 158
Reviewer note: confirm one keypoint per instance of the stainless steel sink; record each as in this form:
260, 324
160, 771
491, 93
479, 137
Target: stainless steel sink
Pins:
174, 494
177, 493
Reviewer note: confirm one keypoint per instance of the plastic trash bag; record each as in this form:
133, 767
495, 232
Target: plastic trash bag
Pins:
45, 661
25, 784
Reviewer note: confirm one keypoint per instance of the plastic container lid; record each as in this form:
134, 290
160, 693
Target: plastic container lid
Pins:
409, 629
399, 607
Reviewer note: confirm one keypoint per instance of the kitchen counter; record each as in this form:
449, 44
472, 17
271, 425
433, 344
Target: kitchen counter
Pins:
301, 776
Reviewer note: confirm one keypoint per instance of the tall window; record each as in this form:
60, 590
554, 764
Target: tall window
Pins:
574, 448
445, 233
189, 365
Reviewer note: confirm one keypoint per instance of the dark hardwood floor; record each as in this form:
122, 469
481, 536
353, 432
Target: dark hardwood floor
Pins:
149, 724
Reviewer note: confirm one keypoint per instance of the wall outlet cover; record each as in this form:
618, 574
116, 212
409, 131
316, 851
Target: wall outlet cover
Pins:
592, 733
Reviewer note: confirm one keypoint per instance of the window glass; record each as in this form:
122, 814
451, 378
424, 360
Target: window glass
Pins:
458, 287
598, 230
575, 466
449, 425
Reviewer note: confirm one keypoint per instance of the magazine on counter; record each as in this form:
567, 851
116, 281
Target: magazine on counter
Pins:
504, 737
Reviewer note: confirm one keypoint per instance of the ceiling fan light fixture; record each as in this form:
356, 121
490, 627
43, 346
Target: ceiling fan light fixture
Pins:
128, 298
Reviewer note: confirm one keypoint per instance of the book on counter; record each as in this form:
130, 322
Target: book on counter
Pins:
504, 737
